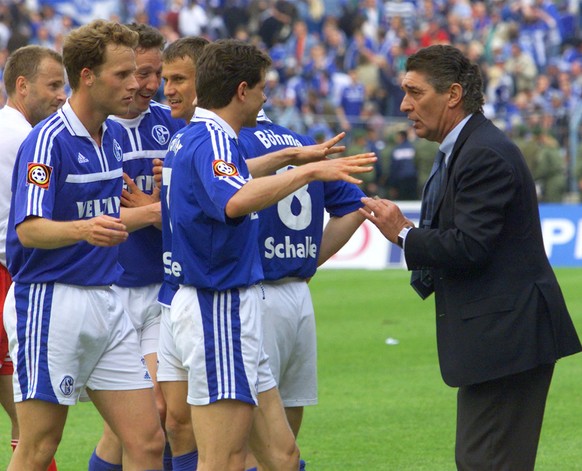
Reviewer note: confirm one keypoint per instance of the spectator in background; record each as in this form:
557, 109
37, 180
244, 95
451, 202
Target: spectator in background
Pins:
522, 68
300, 44
404, 9
351, 104
359, 145
192, 19
434, 33
403, 177
376, 143
424, 152
550, 168
276, 26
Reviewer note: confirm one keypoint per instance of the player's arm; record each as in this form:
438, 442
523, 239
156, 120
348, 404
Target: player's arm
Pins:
138, 209
337, 232
269, 163
142, 216
42, 233
260, 193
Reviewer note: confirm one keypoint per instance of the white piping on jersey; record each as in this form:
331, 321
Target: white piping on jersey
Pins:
134, 138
101, 156
95, 177
222, 150
42, 155
223, 344
144, 154
220, 144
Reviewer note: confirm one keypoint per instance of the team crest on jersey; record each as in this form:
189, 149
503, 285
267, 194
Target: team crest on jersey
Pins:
39, 174
224, 169
161, 134
117, 151
67, 385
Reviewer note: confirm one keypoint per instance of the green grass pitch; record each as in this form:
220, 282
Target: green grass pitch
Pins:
382, 405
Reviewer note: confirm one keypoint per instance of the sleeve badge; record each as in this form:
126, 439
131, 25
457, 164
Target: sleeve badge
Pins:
39, 174
224, 169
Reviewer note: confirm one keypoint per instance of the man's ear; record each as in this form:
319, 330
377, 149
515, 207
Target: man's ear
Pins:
21, 85
241, 90
455, 95
87, 77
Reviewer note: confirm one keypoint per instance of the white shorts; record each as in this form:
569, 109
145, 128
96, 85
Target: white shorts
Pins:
64, 338
141, 303
170, 367
219, 340
290, 340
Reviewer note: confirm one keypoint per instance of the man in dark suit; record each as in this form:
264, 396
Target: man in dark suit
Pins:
502, 322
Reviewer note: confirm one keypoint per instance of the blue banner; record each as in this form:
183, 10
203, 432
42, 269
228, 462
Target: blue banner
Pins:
562, 231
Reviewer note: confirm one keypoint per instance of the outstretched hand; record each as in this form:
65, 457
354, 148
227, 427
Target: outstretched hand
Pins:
342, 168
313, 153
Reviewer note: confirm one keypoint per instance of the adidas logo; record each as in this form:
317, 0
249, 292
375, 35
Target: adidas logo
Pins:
82, 159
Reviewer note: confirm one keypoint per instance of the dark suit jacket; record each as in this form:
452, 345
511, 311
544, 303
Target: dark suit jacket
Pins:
499, 309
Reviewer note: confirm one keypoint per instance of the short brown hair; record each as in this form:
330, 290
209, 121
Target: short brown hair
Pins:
190, 46
24, 62
222, 66
149, 37
85, 46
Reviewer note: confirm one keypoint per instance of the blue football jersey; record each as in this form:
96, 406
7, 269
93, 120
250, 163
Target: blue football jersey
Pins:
63, 175
172, 271
148, 136
290, 231
210, 250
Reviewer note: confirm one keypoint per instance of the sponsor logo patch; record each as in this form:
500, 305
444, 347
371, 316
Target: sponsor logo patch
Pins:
224, 169
39, 174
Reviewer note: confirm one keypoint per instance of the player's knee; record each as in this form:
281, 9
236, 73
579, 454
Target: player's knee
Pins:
179, 431
150, 444
39, 453
290, 456
162, 409
284, 457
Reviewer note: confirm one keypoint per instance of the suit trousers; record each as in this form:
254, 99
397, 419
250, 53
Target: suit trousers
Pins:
499, 421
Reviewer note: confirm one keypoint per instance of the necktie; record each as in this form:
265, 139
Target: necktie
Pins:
421, 280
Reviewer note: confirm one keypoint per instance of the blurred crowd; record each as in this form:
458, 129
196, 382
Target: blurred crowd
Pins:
337, 66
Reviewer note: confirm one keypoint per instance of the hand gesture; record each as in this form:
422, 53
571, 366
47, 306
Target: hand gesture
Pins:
133, 197
386, 216
342, 168
316, 152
